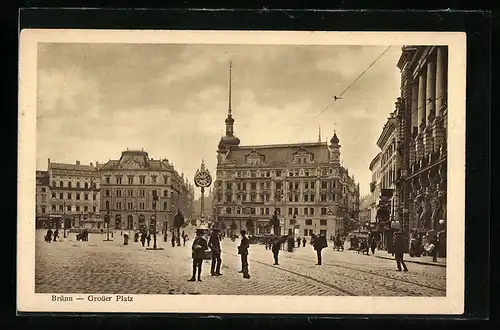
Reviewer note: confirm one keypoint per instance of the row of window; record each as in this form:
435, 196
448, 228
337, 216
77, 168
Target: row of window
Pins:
279, 173
291, 185
69, 208
266, 211
70, 185
132, 180
307, 198
131, 206
70, 196
130, 193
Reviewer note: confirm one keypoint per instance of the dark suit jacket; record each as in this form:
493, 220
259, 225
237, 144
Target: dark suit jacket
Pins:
244, 245
199, 253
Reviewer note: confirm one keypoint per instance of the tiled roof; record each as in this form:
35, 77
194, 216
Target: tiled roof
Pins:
72, 167
279, 154
152, 165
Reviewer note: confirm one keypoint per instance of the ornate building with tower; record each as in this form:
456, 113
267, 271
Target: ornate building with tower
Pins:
129, 185
303, 183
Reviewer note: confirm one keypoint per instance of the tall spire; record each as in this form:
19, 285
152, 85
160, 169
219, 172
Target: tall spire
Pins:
229, 109
319, 134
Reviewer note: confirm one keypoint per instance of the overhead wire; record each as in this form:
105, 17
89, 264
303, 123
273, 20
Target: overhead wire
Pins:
355, 80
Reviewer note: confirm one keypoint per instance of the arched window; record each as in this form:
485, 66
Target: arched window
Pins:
61, 184
228, 210
86, 197
165, 193
53, 183
69, 184
86, 185
78, 196
78, 184
107, 205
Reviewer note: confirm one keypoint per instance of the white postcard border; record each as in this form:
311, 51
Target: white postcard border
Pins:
453, 303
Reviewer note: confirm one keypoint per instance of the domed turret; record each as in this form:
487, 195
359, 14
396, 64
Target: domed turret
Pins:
229, 140
334, 139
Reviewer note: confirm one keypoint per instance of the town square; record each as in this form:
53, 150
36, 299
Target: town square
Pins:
241, 170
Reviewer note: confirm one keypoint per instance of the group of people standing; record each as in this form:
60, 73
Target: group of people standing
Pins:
51, 235
200, 246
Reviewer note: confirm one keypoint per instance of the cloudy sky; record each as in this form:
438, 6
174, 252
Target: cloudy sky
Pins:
96, 100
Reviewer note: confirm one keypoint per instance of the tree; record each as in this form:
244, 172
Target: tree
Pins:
274, 222
233, 227
249, 225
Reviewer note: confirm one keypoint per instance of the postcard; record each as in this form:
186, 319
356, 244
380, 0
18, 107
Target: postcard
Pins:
241, 172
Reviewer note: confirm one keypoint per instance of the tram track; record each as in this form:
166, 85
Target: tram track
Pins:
332, 286
374, 274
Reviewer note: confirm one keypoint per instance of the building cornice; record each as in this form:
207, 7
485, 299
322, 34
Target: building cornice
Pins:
389, 127
374, 160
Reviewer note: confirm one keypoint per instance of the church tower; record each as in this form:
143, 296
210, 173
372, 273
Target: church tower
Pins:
228, 141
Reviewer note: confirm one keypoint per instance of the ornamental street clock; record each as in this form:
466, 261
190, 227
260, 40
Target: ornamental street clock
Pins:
202, 179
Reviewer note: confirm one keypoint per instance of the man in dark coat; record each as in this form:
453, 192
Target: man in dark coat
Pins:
243, 251
199, 247
399, 247
275, 247
319, 244
214, 245
304, 242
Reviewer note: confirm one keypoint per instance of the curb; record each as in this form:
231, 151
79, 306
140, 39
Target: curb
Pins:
415, 262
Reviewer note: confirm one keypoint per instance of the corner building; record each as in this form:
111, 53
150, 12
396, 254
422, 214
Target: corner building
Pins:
304, 183
128, 187
74, 195
42, 199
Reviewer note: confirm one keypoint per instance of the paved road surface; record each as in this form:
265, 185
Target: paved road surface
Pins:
112, 268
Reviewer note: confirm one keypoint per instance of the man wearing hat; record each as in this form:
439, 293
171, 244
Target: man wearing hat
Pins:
243, 251
199, 247
214, 245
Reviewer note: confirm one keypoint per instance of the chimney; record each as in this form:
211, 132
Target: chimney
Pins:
77, 162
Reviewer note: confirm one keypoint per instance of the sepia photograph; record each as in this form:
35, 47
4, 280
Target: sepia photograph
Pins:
261, 169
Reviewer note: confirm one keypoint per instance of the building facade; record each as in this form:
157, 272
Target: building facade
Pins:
42, 199
74, 195
375, 188
129, 185
303, 183
423, 113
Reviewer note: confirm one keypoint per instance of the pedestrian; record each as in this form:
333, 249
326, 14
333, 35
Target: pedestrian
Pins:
214, 245
304, 242
148, 238
398, 248
184, 238
298, 241
56, 235
373, 245
199, 247
434, 251
143, 238
48, 236
173, 239
165, 236
275, 247
243, 251
319, 244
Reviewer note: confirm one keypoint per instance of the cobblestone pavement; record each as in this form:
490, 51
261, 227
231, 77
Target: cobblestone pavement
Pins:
97, 266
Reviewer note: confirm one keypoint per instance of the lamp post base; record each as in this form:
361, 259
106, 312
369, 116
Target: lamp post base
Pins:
155, 248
